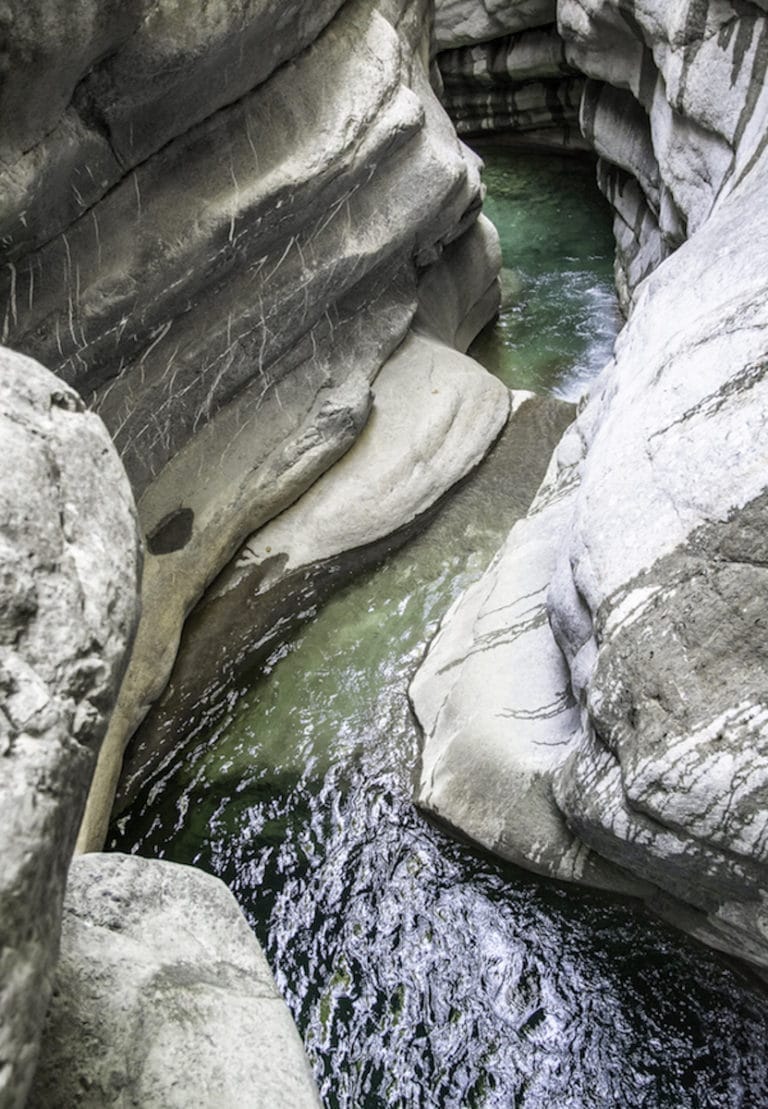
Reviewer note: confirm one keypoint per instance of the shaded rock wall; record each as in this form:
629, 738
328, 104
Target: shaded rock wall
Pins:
68, 609
619, 635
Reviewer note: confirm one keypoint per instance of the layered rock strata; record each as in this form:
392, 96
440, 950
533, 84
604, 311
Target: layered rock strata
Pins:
213, 226
217, 223
610, 669
518, 87
68, 609
217, 1033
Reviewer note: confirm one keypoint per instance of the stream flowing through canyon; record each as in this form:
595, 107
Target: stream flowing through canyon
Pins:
419, 971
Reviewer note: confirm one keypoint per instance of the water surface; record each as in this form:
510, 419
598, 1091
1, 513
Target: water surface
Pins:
559, 315
420, 972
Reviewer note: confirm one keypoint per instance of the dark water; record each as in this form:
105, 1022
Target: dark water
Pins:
421, 973
559, 314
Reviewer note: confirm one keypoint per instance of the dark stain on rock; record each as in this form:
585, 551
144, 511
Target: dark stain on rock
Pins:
172, 533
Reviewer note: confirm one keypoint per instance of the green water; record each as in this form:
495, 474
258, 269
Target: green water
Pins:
421, 973
559, 315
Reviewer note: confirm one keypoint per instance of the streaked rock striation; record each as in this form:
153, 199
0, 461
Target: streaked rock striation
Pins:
513, 80
619, 640
216, 1033
68, 610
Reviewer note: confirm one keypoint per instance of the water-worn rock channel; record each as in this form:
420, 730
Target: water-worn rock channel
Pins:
419, 971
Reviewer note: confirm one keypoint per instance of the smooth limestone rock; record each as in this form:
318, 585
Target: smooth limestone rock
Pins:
670, 774
163, 998
435, 413
619, 638
68, 610
492, 673
266, 184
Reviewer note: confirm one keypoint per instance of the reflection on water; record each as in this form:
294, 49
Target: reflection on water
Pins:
421, 973
559, 314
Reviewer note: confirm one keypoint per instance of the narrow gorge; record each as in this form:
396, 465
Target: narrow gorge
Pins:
250, 292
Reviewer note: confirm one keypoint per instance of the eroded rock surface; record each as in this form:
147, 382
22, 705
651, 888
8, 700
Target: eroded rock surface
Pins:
68, 610
216, 1034
214, 222
213, 225
610, 670
459, 22
434, 414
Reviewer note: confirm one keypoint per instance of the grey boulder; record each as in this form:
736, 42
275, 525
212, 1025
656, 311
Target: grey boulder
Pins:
68, 609
164, 999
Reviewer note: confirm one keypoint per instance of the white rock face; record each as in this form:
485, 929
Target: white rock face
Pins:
164, 999
634, 726
494, 669
68, 611
698, 74
673, 753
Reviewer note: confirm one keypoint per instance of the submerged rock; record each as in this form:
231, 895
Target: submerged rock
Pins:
68, 610
163, 998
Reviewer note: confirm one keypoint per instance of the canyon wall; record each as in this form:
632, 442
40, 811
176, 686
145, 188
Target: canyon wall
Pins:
504, 74
213, 226
246, 237
595, 708
665, 94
